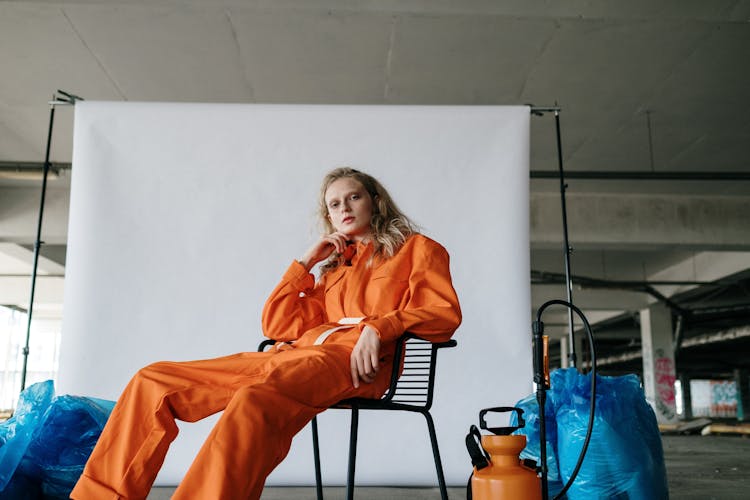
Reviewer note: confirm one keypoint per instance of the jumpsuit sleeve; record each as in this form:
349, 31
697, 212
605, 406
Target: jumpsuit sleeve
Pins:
294, 306
432, 310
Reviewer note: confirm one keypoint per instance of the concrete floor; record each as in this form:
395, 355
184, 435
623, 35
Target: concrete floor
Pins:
707, 467
698, 468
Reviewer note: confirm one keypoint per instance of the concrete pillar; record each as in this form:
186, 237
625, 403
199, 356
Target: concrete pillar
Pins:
742, 381
687, 398
581, 348
658, 361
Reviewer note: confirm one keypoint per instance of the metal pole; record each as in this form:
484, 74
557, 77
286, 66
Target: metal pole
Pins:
37, 245
539, 111
64, 98
566, 244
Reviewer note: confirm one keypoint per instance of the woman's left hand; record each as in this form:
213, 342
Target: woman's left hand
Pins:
364, 358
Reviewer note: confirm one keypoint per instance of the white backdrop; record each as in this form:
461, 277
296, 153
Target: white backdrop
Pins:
184, 216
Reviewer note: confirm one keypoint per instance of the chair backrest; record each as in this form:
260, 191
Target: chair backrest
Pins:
412, 385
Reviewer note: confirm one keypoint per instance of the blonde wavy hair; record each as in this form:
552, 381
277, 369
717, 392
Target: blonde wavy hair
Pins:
390, 227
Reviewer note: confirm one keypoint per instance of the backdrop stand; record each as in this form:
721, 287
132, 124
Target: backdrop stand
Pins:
60, 99
539, 111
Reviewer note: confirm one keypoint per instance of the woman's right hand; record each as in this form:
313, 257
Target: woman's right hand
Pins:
323, 248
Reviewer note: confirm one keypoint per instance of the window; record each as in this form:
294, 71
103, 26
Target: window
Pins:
44, 349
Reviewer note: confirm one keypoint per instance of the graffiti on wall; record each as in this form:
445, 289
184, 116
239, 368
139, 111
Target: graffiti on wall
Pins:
664, 376
714, 398
723, 398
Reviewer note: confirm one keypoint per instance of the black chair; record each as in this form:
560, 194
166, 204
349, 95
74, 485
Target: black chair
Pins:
410, 389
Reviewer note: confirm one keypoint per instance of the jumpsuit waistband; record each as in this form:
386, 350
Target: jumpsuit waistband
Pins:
343, 323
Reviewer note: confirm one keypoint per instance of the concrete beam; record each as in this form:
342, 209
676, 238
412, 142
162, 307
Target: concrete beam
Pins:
19, 214
642, 221
701, 266
556, 322
15, 259
592, 299
17, 291
16, 264
616, 220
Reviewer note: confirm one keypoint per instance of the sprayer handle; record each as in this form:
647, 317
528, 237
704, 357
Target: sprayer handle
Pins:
501, 431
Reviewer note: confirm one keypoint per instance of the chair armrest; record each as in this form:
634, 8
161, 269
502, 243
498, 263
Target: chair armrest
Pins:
450, 343
439, 345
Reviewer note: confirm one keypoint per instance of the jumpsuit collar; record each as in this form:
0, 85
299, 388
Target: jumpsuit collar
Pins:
361, 250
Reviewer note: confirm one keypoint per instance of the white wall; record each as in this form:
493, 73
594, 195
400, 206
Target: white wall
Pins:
184, 216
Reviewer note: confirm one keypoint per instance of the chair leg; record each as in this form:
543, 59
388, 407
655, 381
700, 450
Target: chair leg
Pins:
436, 455
352, 453
316, 456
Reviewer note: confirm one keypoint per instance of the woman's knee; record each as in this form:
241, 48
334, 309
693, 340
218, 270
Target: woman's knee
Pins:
151, 371
152, 377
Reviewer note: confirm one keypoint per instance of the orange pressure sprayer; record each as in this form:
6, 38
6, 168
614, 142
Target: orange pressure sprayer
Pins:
499, 474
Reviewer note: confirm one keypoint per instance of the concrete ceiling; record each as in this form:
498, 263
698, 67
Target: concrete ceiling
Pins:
643, 86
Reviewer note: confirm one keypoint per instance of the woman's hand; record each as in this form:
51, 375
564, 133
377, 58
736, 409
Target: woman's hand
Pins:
323, 248
364, 358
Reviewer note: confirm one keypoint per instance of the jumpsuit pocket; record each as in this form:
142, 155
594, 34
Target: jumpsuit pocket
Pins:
385, 293
333, 280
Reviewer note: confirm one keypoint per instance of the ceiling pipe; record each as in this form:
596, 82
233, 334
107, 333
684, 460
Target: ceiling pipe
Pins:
721, 336
56, 167
642, 175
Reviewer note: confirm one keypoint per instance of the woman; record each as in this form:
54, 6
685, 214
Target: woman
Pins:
335, 340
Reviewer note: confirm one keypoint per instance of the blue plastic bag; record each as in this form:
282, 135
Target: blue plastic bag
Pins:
625, 458
16, 432
54, 437
64, 441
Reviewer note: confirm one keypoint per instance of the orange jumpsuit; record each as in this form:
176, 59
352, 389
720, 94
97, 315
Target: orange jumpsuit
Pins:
268, 397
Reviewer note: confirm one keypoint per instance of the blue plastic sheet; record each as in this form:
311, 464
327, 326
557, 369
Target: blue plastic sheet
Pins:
625, 459
54, 437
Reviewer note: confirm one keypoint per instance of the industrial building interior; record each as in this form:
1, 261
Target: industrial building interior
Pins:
654, 120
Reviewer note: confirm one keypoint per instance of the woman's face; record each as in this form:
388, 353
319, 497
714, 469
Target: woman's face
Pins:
349, 207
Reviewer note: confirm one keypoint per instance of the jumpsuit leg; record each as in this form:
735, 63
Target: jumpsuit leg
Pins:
255, 432
133, 444
268, 398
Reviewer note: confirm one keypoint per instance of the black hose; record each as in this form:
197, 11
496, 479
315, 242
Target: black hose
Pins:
541, 398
